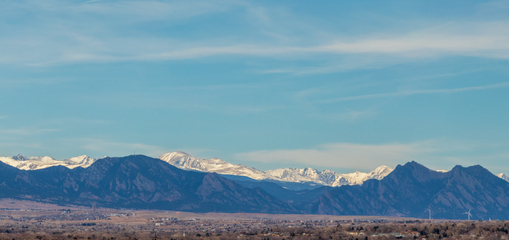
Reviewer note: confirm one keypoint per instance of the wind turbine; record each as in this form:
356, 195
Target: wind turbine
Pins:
468, 214
429, 211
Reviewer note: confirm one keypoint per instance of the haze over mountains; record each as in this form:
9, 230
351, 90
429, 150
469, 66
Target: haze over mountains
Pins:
142, 182
326, 177
136, 182
185, 161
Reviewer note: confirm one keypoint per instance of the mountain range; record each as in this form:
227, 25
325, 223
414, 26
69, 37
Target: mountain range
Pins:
137, 182
413, 190
326, 177
34, 163
185, 161
182, 160
141, 182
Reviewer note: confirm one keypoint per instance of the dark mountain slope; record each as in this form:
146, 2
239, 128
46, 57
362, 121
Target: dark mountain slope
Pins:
137, 182
142, 182
472, 188
15, 182
411, 189
8, 181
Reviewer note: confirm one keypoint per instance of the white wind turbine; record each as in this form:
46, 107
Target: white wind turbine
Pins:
468, 213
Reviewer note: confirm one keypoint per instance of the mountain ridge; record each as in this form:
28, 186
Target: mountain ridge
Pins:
33, 163
326, 177
185, 161
143, 182
412, 189
140, 182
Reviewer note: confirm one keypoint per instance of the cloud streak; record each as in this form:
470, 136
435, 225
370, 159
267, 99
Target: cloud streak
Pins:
437, 154
29, 131
415, 92
119, 148
105, 32
344, 155
156, 49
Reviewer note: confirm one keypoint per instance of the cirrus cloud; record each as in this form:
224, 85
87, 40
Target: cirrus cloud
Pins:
436, 154
63, 33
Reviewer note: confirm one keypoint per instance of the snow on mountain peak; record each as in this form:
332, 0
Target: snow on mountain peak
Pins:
20, 157
80, 161
185, 161
383, 170
503, 176
34, 163
327, 177
176, 154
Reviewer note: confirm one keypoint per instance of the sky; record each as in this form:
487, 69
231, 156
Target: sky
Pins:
340, 85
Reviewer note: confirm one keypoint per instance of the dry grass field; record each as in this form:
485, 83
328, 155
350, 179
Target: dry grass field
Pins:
21, 219
24, 208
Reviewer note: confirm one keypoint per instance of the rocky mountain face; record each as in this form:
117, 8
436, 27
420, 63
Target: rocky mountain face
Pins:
185, 161
326, 177
142, 182
34, 163
137, 182
286, 177
412, 189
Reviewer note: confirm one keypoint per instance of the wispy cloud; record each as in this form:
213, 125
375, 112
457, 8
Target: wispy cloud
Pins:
77, 120
34, 82
152, 10
427, 46
416, 92
348, 115
28, 131
490, 39
96, 32
343, 155
9, 146
204, 99
495, 45
436, 154
114, 148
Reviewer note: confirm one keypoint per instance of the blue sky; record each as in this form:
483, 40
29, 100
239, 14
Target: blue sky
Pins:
338, 85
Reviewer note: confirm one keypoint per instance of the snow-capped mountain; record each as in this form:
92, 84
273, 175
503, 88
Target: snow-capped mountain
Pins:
185, 161
326, 177
34, 163
82, 161
503, 176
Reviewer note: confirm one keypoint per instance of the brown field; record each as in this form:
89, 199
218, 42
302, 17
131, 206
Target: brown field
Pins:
35, 209
21, 219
